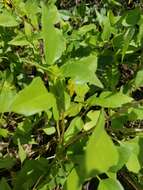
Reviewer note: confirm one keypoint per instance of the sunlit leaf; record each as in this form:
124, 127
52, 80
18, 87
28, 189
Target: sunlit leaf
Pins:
110, 184
100, 156
21, 152
54, 42
73, 181
82, 70
33, 99
110, 99
7, 19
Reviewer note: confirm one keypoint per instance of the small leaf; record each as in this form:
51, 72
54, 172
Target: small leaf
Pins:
74, 128
19, 40
82, 71
109, 99
21, 152
7, 19
73, 181
106, 29
4, 132
139, 79
93, 116
49, 130
6, 98
110, 184
134, 146
33, 99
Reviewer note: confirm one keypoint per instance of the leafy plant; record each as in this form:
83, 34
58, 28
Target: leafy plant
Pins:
71, 95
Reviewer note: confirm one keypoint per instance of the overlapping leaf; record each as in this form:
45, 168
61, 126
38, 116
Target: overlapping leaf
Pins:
82, 70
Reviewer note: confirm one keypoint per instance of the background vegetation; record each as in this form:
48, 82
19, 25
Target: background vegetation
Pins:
71, 95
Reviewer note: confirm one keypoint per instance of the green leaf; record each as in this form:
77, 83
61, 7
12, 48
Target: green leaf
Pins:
54, 42
73, 109
109, 99
93, 116
21, 152
86, 28
101, 153
33, 99
19, 40
110, 184
74, 128
124, 155
49, 130
132, 17
73, 181
133, 163
127, 39
7, 19
6, 98
139, 79
4, 132
4, 185
7, 162
31, 171
135, 113
80, 90
82, 70
32, 8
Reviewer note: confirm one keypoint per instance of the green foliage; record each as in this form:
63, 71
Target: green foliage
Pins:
71, 85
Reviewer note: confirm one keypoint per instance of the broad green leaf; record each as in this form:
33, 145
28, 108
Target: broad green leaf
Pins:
73, 181
73, 109
109, 99
6, 98
74, 128
132, 17
135, 113
19, 40
139, 79
7, 19
124, 155
4, 185
33, 99
21, 152
4, 132
113, 19
54, 42
86, 28
82, 70
110, 184
101, 154
49, 130
134, 163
